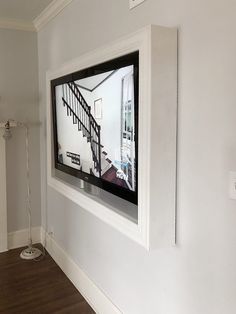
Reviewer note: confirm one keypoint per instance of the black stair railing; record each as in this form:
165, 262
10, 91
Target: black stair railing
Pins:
80, 111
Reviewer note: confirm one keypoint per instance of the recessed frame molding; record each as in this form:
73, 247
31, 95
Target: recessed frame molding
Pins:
157, 48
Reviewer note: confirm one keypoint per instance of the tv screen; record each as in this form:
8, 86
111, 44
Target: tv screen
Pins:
95, 125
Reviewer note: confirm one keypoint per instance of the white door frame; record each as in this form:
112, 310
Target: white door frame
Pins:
3, 195
132, 143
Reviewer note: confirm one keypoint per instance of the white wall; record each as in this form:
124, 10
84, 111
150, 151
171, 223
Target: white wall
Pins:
19, 100
198, 276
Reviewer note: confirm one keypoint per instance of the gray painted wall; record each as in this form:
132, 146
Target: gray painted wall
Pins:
19, 101
198, 275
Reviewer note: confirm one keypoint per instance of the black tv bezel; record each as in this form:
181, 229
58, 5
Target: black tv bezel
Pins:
117, 63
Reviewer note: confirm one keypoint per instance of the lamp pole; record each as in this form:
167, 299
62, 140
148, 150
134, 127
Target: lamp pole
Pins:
30, 252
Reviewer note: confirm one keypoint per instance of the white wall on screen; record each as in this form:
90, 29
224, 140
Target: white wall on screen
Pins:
110, 91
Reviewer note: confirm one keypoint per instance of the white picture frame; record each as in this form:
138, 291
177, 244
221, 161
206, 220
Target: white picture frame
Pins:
156, 223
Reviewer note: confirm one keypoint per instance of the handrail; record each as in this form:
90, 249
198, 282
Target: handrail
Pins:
81, 111
84, 101
72, 111
84, 104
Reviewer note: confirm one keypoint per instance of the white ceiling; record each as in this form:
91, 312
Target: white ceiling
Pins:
26, 10
93, 81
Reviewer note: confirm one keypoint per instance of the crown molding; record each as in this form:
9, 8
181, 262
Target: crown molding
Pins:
51, 11
16, 24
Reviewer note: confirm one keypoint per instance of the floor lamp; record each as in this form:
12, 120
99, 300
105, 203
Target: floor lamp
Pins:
30, 252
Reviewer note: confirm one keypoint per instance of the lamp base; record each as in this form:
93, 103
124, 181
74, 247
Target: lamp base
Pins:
30, 253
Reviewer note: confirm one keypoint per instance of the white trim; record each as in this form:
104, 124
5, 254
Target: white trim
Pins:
91, 292
157, 48
16, 24
134, 3
51, 11
3, 195
106, 214
20, 238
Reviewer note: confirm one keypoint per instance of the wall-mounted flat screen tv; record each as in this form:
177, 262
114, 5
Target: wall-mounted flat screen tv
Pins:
95, 125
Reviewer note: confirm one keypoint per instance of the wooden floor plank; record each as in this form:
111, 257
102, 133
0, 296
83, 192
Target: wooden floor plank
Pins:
32, 287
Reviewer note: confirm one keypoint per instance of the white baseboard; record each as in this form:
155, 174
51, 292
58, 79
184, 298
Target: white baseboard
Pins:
94, 296
19, 238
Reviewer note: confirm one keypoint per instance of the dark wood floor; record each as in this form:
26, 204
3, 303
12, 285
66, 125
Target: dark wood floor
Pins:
31, 287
